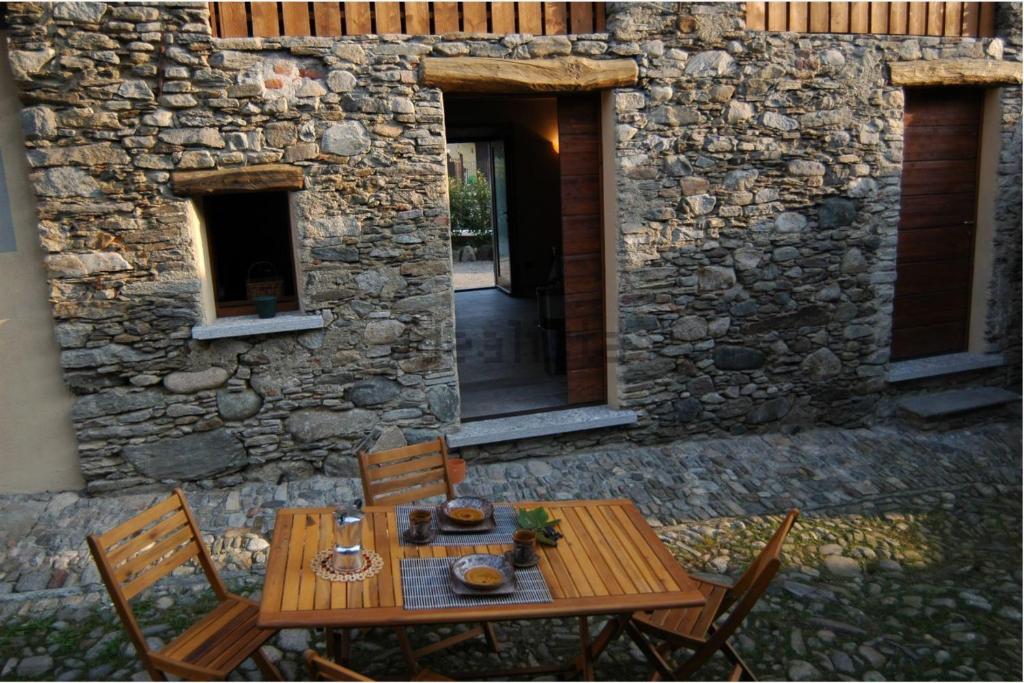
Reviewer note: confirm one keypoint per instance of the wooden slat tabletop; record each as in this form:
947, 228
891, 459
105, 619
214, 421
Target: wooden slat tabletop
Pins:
609, 562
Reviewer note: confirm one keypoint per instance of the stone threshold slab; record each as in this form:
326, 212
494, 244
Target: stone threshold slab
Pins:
248, 325
937, 366
518, 427
956, 401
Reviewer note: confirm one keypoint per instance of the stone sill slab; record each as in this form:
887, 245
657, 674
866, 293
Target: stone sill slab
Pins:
957, 401
247, 325
539, 424
937, 366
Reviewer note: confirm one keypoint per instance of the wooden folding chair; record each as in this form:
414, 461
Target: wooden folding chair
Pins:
694, 628
405, 475
138, 553
321, 669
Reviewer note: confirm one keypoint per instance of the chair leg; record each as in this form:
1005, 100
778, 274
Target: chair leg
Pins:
662, 668
270, 672
407, 652
491, 636
740, 667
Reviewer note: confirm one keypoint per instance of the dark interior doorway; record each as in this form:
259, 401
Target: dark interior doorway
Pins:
510, 327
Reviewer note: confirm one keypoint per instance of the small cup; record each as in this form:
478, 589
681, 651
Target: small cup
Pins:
419, 523
524, 547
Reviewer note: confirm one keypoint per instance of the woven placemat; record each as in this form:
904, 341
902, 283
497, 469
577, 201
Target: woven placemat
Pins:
504, 526
426, 584
372, 564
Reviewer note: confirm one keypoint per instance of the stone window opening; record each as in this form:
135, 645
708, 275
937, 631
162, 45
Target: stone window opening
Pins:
248, 245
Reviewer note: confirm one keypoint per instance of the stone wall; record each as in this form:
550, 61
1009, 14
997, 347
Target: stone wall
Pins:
758, 191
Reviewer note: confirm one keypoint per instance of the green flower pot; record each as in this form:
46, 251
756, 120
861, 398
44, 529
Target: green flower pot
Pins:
266, 306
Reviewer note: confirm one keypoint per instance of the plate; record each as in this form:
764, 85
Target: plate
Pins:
483, 508
467, 563
409, 538
446, 526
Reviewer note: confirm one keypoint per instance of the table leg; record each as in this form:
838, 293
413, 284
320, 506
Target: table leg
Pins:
407, 652
586, 663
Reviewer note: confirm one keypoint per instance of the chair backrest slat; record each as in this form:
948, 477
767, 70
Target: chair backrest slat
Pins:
134, 566
139, 521
119, 553
412, 495
403, 475
158, 571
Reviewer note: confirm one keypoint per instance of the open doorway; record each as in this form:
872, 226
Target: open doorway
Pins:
505, 203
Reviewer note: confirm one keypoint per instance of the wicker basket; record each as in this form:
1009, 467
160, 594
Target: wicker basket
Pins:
262, 280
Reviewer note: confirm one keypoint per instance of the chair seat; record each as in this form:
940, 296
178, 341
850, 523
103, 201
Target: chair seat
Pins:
222, 639
690, 623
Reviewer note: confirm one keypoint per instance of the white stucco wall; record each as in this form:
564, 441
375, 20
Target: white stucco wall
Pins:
37, 443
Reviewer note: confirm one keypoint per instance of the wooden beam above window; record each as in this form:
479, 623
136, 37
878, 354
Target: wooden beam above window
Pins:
557, 75
265, 178
955, 72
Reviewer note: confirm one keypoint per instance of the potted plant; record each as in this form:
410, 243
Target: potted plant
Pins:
263, 286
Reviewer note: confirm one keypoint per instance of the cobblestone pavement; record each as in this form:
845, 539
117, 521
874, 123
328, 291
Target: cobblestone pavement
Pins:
472, 274
904, 565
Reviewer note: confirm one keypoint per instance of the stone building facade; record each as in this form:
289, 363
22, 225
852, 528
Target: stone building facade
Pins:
757, 178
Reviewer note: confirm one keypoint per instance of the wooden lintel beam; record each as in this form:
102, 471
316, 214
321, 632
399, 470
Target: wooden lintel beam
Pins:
560, 74
956, 72
265, 178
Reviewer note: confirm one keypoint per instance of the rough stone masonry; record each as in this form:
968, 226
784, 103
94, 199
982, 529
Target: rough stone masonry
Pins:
758, 185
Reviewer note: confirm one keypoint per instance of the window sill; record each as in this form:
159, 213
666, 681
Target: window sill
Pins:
518, 427
938, 366
248, 325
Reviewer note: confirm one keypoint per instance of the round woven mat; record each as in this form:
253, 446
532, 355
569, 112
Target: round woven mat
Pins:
372, 564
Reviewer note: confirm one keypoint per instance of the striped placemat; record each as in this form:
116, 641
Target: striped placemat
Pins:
426, 585
505, 525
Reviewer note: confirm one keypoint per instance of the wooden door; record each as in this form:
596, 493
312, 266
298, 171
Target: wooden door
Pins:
935, 251
579, 142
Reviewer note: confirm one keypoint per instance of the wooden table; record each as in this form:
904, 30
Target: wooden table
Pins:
610, 562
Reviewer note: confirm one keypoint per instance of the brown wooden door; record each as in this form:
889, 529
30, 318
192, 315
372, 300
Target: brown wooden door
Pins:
579, 142
935, 250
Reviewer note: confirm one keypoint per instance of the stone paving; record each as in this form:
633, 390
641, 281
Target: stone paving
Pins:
904, 565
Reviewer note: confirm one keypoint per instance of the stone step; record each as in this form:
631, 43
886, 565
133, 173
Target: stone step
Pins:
938, 366
946, 403
517, 427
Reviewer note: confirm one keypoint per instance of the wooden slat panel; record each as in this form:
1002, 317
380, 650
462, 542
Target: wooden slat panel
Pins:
581, 17
503, 17
951, 25
404, 452
756, 16
936, 18
474, 17
322, 590
265, 19
412, 495
819, 21
799, 16
987, 20
139, 563
969, 19
387, 17
530, 19
929, 277
860, 18
839, 17
357, 19
296, 18
879, 17
293, 567
233, 21
898, 18
148, 537
327, 18
446, 17
599, 17
917, 18
919, 310
417, 18
777, 16
937, 177
932, 243
554, 18
307, 586
946, 144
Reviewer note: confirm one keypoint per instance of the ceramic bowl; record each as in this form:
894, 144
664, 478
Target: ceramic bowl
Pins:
484, 507
462, 570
